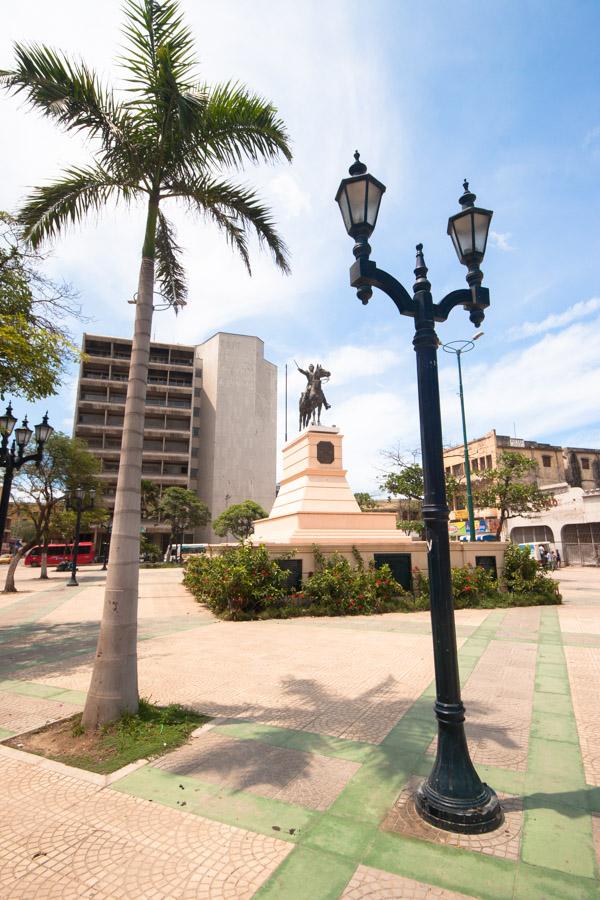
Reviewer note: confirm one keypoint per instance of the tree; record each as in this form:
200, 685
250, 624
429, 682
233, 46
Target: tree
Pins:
239, 519
24, 530
182, 509
150, 499
34, 345
165, 141
406, 481
510, 488
365, 501
38, 491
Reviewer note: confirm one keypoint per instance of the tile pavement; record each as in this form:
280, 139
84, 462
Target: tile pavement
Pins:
303, 789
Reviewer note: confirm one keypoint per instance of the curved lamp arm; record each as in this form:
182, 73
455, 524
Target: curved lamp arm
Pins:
365, 274
475, 300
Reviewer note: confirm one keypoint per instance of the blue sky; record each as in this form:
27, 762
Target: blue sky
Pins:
506, 95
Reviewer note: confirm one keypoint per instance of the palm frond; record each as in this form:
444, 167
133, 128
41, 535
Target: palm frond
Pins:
154, 31
78, 192
170, 273
241, 125
68, 92
236, 210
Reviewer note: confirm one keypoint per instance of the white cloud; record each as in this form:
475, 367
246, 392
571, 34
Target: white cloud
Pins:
580, 310
549, 390
351, 363
294, 200
501, 241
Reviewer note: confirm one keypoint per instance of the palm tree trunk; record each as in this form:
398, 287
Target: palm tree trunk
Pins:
114, 685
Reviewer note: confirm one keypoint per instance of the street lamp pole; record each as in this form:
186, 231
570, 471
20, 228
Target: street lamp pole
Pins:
106, 547
458, 348
453, 797
77, 502
11, 459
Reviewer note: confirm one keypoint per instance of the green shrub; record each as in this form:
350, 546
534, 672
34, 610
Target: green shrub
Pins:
474, 586
238, 583
526, 583
343, 589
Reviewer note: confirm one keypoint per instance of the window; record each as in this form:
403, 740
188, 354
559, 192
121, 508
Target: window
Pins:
114, 419
482, 463
153, 445
546, 461
171, 469
176, 447
196, 430
585, 463
117, 398
458, 470
154, 422
91, 419
474, 465
488, 462
178, 424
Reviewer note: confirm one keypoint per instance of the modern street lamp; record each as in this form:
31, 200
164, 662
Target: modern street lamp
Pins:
458, 348
453, 797
76, 500
11, 459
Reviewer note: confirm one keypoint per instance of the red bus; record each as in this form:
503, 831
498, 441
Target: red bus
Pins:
58, 553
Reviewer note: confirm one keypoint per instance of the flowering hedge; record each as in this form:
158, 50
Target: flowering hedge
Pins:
244, 583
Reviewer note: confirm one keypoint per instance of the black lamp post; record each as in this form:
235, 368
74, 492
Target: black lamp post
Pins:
108, 528
76, 500
458, 348
12, 459
453, 796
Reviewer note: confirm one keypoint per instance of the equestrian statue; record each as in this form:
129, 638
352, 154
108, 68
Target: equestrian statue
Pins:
312, 400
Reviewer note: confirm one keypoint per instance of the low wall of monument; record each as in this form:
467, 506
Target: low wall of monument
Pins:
407, 555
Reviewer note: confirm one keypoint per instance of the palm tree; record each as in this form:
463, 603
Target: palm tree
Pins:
167, 139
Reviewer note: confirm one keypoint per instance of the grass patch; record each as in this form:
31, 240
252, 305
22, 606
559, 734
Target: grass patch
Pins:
154, 731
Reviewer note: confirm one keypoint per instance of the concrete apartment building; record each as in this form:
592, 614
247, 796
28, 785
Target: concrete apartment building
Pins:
210, 424
570, 474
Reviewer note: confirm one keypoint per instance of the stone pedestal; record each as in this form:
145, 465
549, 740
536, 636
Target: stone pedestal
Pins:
315, 504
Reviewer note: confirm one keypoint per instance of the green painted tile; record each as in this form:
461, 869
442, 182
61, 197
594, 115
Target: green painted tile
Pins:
556, 668
46, 691
76, 697
474, 874
557, 839
373, 790
356, 751
550, 684
249, 811
558, 759
308, 874
533, 883
553, 704
554, 728
341, 836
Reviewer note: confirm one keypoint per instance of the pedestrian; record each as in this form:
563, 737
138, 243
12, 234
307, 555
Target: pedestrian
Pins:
558, 559
553, 560
542, 553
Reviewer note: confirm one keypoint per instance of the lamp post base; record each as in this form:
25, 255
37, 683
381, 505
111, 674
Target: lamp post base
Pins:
481, 815
72, 583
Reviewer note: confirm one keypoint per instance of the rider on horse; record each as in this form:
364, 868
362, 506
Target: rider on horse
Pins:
313, 383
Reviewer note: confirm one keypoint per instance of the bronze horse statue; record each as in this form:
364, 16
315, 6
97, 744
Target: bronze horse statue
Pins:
312, 400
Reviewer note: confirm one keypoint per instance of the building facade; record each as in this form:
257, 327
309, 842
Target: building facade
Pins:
210, 421
570, 474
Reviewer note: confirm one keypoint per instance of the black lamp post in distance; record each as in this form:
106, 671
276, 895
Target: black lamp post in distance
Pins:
453, 796
108, 528
76, 500
11, 459
458, 348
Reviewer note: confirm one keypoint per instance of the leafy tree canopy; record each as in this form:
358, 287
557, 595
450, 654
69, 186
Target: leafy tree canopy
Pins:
34, 345
150, 499
239, 519
182, 509
365, 501
38, 491
511, 488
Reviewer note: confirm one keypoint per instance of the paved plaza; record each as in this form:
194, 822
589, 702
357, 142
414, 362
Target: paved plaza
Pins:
301, 785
